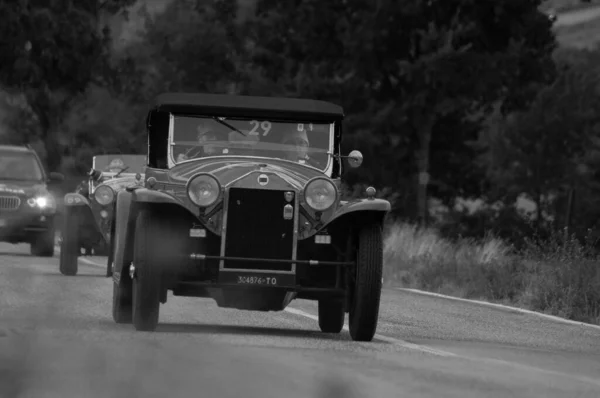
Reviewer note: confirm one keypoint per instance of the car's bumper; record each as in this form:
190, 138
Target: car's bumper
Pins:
19, 226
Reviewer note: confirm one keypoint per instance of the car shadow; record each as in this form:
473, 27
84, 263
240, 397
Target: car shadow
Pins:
58, 274
247, 330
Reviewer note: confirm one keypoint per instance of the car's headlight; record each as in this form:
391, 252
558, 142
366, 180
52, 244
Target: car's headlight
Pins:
43, 202
203, 190
320, 194
104, 195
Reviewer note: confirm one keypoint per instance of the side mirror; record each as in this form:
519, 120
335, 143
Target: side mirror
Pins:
58, 177
355, 158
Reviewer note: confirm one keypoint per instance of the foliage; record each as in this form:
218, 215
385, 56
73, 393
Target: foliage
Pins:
50, 52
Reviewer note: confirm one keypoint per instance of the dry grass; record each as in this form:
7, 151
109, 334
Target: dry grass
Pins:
558, 276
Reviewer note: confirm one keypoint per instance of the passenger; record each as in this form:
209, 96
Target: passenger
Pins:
299, 141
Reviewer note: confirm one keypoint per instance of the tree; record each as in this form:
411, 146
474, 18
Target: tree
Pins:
416, 62
553, 148
50, 52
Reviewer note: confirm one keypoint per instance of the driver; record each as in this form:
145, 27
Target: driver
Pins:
205, 137
297, 139
115, 165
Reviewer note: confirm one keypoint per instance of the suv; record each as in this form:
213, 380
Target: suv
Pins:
241, 203
27, 208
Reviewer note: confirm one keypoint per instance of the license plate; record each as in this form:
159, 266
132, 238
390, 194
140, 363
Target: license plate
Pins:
257, 280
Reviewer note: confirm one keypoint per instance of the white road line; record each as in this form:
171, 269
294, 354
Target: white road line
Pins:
90, 262
438, 295
84, 260
502, 306
387, 339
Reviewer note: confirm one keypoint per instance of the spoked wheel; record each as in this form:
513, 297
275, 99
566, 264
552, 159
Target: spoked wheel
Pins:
69, 247
366, 295
147, 256
122, 305
331, 315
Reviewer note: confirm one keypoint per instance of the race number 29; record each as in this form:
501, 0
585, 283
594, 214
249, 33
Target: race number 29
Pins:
265, 126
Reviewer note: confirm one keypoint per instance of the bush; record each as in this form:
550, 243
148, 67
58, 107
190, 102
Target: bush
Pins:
558, 275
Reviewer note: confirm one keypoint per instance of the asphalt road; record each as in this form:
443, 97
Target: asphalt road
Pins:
575, 17
57, 339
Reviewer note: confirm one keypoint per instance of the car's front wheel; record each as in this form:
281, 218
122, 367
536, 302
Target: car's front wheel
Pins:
69, 247
147, 270
366, 295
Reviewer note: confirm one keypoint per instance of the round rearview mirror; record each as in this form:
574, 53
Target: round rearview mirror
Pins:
355, 158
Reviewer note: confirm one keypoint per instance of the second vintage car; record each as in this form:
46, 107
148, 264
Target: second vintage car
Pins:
241, 203
88, 211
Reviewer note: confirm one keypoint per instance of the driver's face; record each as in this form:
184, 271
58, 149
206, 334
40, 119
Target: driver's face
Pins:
300, 150
208, 148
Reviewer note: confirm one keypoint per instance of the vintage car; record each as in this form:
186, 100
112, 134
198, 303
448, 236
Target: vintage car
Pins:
89, 210
241, 204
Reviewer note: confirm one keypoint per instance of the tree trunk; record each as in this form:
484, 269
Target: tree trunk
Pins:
423, 168
41, 104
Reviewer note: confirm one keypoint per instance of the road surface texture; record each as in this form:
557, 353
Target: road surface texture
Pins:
57, 339
570, 18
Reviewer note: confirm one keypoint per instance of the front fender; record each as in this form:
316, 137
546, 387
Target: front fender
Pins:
123, 235
145, 195
75, 199
370, 208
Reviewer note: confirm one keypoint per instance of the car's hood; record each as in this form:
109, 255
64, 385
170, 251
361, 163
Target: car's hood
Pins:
25, 188
229, 169
122, 182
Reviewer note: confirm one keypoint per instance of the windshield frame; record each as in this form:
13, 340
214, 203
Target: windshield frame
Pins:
328, 170
36, 160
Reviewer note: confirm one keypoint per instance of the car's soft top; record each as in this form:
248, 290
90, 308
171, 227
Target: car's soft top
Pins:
235, 105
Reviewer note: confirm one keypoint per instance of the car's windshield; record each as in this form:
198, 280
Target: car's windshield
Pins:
117, 163
19, 166
304, 142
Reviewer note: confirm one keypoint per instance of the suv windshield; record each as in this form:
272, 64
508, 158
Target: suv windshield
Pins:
19, 166
197, 137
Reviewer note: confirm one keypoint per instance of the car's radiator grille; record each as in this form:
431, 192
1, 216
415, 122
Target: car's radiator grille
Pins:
9, 202
256, 228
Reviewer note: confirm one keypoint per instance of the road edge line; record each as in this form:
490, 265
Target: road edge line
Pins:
500, 306
387, 339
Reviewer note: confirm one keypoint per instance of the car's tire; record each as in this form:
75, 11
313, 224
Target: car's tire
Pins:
147, 279
122, 305
366, 295
331, 316
69, 247
43, 244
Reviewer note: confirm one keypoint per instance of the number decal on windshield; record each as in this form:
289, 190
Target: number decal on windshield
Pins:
265, 126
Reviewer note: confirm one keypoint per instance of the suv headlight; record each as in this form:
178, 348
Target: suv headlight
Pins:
42, 202
104, 195
203, 190
320, 194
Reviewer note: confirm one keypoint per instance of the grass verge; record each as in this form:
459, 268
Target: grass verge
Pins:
559, 276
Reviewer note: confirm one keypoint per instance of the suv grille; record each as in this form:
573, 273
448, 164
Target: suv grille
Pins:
256, 228
9, 202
